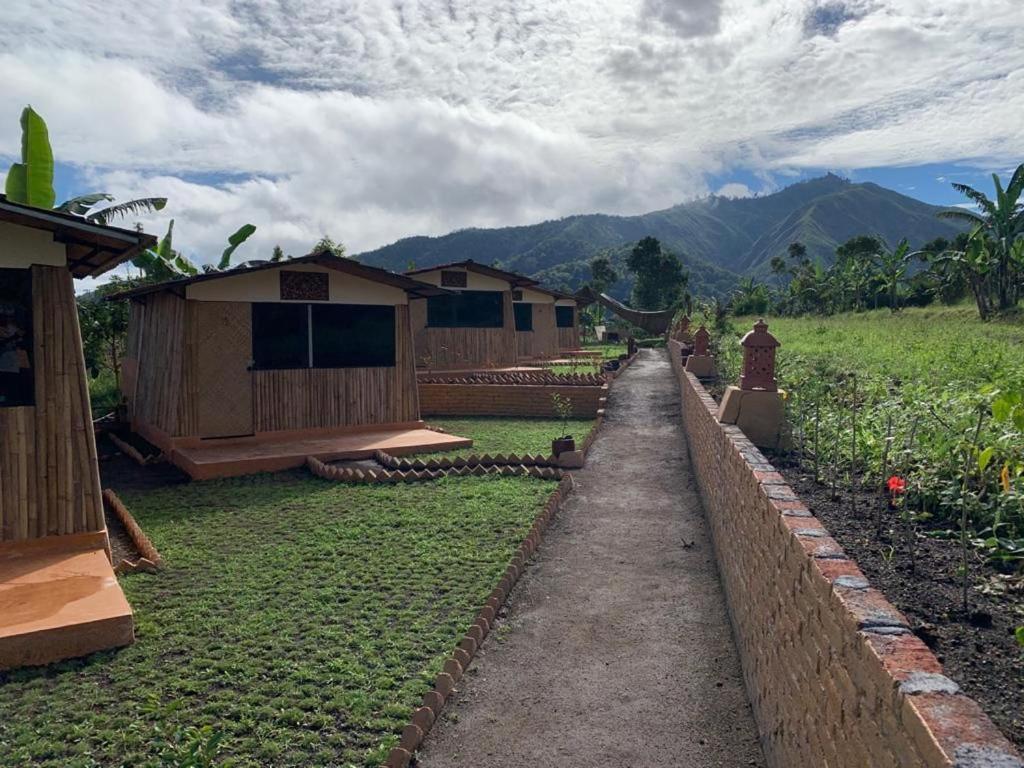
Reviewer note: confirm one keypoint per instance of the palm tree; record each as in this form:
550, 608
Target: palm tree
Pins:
1002, 222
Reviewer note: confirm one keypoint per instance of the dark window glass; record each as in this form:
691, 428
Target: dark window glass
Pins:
353, 336
17, 380
468, 309
563, 317
280, 336
524, 316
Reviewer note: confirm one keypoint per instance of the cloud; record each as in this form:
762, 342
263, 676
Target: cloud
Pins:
686, 18
374, 120
734, 189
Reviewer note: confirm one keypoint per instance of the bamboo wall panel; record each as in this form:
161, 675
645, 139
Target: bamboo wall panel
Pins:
463, 347
542, 341
159, 396
340, 397
49, 476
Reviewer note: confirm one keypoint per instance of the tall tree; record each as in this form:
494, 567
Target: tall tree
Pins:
660, 279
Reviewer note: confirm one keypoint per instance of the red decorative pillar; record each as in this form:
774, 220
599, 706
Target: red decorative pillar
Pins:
756, 406
700, 341
759, 359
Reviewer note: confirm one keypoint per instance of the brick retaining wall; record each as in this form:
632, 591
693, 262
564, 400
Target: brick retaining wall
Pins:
834, 674
507, 400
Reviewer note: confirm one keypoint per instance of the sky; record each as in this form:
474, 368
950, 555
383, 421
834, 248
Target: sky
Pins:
371, 120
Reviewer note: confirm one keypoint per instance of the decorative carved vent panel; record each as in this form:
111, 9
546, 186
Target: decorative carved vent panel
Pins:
304, 286
453, 279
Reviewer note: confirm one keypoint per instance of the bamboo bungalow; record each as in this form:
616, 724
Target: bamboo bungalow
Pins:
59, 597
255, 368
489, 318
545, 323
472, 325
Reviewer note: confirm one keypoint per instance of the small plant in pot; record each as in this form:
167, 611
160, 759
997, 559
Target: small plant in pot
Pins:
563, 409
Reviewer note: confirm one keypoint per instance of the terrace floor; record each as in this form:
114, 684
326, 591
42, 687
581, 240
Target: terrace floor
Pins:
230, 459
617, 648
59, 599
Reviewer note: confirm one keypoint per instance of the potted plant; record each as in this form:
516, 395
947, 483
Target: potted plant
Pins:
563, 409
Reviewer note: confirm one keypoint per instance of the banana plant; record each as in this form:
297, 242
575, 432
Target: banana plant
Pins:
165, 263
30, 182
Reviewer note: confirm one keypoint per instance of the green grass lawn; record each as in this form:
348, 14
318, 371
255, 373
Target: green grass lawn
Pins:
495, 434
607, 350
299, 620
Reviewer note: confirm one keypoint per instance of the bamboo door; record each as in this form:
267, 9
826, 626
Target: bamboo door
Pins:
223, 334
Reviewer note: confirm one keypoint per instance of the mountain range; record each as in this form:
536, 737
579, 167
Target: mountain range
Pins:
719, 239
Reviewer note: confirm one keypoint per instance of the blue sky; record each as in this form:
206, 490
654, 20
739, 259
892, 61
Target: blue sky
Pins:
372, 120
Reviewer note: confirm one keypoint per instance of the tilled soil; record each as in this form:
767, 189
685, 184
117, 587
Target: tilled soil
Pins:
978, 650
615, 648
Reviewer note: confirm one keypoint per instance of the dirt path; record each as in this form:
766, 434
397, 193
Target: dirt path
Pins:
616, 649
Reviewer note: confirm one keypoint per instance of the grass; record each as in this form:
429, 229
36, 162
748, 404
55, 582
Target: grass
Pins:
495, 435
921, 377
299, 620
607, 350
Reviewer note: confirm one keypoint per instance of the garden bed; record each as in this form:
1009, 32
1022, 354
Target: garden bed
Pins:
979, 651
295, 622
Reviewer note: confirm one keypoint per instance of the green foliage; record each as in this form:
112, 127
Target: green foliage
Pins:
296, 622
30, 182
660, 280
562, 407
923, 374
328, 246
240, 236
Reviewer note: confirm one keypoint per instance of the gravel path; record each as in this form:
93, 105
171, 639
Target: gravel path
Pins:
616, 648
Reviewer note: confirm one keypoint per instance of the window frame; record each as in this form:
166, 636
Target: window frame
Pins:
519, 306
435, 304
560, 312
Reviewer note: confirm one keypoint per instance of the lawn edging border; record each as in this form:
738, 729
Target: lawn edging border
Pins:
833, 672
151, 558
375, 476
424, 717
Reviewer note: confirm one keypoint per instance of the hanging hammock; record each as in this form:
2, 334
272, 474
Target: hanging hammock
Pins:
653, 322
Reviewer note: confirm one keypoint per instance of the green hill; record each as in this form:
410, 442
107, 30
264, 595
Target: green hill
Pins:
719, 239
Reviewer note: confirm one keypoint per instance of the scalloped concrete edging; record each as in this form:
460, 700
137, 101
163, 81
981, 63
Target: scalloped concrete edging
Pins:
372, 476
150, 559
424, 717
834, 674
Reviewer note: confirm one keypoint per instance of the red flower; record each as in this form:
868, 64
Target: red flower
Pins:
897, 485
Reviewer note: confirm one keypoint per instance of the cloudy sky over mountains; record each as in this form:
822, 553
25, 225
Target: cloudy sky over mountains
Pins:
373, 119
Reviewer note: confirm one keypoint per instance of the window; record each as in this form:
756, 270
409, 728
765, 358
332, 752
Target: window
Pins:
468, 309
353, 336
452, 279
337, 335
563, 317
280, 336
17, 379
524, 316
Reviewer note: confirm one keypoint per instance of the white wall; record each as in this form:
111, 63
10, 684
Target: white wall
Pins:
265, 285
22, 246
474, 280
535, 297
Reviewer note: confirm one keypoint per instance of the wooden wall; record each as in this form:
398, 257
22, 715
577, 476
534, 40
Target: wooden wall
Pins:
157, 346
340, 397
281, 400
569, 338
542, 341
49, 477
463, 347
